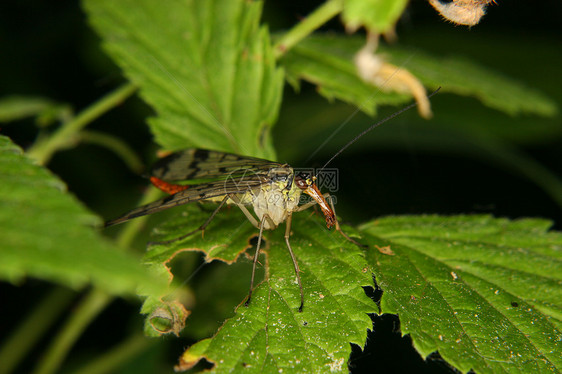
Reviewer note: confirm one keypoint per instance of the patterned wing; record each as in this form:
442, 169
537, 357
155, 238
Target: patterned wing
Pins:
203, 164
196, 192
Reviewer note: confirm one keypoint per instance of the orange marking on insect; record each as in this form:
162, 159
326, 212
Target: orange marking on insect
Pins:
167, 187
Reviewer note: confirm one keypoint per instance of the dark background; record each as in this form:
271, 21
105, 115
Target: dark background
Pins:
49, 51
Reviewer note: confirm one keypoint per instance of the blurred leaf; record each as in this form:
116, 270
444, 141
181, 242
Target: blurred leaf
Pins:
453, 114
206, 67
537, 66
467, 116
464, 77
49, 235
376, 15
327, 61
486, 293
332, 271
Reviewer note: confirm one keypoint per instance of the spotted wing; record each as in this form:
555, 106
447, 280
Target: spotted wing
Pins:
204, 164
196, 192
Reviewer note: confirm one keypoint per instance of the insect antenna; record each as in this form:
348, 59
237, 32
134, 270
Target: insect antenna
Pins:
377, 124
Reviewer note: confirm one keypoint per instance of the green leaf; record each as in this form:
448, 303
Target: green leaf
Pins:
486, 293
463, 77
327, 61
47, 234
271, 332
376, 15
206, 67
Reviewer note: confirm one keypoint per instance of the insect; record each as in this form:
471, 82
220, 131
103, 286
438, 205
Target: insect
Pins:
272, 189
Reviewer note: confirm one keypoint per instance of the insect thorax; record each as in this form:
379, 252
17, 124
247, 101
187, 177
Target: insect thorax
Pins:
278, 197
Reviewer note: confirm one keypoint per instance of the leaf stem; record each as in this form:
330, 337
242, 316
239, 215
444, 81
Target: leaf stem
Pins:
89, 308
44, 149
30, 330
117, 146
312, 22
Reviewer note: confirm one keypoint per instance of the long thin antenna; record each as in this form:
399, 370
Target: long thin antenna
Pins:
395, 114
359, 108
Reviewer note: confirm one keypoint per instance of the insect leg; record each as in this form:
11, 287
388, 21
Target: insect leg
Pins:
246, 212
200, 228
260, 225
327, 196
262, 222
306, 206
295, 263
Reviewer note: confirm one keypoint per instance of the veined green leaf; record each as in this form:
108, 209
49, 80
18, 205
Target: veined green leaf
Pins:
206, 67
49, 235
486, 293
270, 332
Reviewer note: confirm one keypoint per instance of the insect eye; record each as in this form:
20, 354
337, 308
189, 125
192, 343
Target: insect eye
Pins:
304, 180
301, 181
